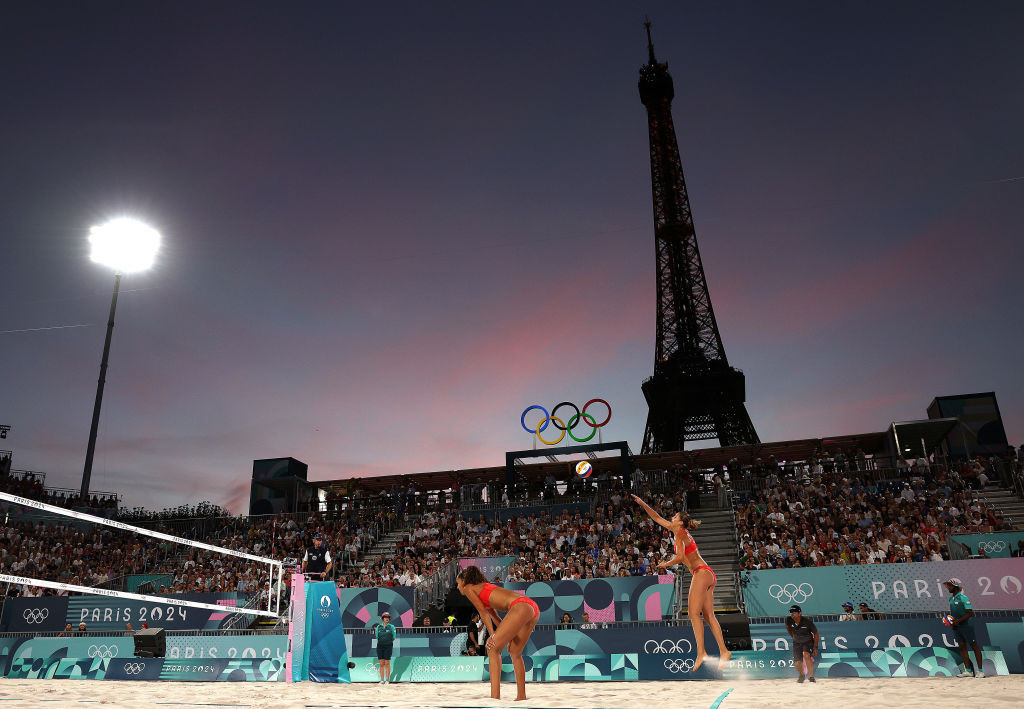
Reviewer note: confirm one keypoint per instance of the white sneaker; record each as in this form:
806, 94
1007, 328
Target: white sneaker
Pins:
966, 673
979, 674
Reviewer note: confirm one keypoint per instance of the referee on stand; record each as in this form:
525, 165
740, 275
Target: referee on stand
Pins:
317, 561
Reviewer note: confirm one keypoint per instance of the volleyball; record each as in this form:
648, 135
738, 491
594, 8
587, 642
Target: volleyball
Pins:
947, 619
584, 469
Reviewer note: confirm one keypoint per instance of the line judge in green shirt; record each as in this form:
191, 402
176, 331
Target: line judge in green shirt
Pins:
960, 609
385, 634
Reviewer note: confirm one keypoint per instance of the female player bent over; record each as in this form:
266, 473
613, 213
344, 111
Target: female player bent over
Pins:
702, 585
521, 614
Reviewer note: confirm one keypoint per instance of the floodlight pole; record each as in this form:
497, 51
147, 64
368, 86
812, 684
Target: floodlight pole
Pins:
87, 472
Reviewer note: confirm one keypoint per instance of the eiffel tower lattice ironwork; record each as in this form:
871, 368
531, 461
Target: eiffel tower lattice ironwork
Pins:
694, 394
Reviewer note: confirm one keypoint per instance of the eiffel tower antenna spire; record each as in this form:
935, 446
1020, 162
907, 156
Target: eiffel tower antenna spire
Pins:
693, 394
650, 45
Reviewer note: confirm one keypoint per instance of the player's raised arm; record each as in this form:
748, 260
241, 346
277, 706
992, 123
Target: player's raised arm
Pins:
654, 515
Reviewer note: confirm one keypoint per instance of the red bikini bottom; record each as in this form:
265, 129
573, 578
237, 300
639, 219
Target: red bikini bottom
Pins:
524, 599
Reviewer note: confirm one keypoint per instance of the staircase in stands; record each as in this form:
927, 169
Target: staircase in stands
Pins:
1004, 502
716, 539
386, 545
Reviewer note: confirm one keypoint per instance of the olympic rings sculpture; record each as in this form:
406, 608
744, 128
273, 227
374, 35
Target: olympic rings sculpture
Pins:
562, 426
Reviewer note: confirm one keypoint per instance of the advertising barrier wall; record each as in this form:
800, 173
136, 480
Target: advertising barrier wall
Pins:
991, 584
109, 613
893, 662
997, 545
653, 652
606, 600
17, 653
1004, 633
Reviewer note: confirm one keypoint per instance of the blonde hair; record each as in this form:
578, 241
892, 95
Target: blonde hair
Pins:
688, 521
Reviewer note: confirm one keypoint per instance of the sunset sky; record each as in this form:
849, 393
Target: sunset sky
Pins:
390, 227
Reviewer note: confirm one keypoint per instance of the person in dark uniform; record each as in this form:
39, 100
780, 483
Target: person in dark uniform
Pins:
805, 641
317, 562
960, 609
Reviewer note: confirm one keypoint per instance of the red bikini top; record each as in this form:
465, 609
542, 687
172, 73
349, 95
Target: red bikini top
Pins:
485, 594
691, 547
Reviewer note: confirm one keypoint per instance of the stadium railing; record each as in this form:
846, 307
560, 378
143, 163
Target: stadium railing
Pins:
436, 586
957, 550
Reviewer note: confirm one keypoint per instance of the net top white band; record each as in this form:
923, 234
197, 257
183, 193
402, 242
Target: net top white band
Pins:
163, 600
131, 528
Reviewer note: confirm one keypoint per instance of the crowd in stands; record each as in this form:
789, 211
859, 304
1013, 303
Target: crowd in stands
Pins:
85, 554
31, 485
837, 519
830, 510
553, 545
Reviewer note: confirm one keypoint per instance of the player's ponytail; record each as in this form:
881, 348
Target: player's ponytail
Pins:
689, 522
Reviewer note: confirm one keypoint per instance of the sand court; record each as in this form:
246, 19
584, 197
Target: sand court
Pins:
848, 693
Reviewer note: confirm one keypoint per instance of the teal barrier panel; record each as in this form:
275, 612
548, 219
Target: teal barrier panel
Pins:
991, 584
997, 545
133, 581
189, 647
421, 669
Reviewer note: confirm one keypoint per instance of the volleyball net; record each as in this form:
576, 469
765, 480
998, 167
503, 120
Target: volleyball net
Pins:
275, 568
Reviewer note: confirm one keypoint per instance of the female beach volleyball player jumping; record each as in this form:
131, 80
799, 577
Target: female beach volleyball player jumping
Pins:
702, 585
521, 614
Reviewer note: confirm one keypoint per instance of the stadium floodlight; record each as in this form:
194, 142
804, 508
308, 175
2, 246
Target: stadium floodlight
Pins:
127, 246
124, 244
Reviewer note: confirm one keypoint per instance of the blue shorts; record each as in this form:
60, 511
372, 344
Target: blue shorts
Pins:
965, 633
384, 651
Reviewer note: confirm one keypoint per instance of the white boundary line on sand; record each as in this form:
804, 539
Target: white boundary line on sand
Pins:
272, 563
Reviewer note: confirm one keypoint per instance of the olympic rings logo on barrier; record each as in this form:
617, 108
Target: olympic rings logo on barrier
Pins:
791, 593
35, 615
991, 547
103, 651
673, 646
562, 426
679, 666
134, 668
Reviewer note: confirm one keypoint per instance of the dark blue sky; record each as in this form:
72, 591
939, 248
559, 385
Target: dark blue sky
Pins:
388, 230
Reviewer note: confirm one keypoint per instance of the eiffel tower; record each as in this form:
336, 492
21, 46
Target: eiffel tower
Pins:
694, 394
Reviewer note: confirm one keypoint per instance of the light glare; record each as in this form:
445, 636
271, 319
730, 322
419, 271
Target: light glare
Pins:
124, 244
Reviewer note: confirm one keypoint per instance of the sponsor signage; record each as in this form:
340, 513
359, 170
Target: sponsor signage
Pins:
992, 584
106, 614
134, 668
198, 647
34, 615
